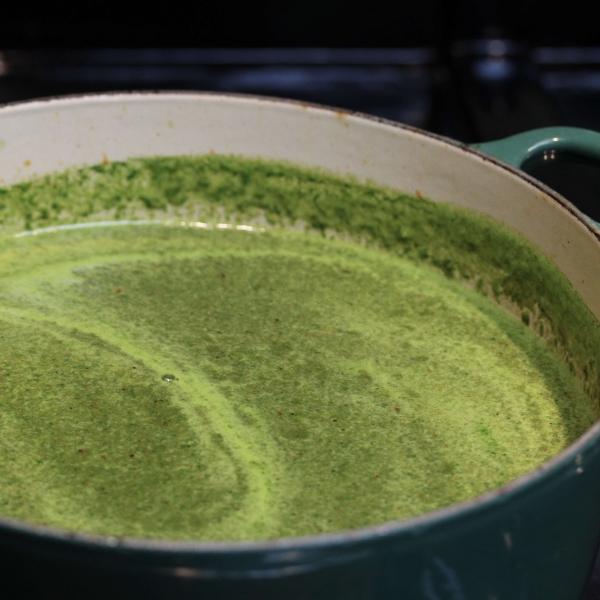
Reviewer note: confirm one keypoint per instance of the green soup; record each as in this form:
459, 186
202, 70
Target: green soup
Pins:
283, 352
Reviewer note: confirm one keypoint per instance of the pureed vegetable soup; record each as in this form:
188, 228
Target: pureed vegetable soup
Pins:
271, 351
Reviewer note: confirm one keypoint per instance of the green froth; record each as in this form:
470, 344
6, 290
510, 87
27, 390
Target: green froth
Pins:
318, 384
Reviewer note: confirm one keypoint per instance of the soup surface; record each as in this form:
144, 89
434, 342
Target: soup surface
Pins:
223, 381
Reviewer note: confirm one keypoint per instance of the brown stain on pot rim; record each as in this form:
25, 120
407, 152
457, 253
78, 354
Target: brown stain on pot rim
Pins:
342, 116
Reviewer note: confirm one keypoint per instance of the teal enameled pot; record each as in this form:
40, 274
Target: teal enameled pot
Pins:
535, 538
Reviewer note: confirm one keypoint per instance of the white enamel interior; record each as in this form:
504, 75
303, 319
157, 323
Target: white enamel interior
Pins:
45, 136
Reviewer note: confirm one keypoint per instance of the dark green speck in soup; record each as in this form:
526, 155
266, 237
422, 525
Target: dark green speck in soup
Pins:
284, 352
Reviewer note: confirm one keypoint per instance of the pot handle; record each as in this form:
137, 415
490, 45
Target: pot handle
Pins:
516, 150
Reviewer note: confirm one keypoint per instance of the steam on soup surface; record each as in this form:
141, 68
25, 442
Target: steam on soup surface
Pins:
210, 372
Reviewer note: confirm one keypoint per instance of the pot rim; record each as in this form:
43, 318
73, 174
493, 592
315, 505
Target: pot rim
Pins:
427, 520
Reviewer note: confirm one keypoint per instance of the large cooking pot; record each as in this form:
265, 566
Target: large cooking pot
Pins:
535, 538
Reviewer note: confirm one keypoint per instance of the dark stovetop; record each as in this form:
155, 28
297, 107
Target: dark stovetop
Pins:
474, 91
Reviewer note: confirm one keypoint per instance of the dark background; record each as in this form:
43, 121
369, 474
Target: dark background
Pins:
326, 23
444, 68
474, 70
